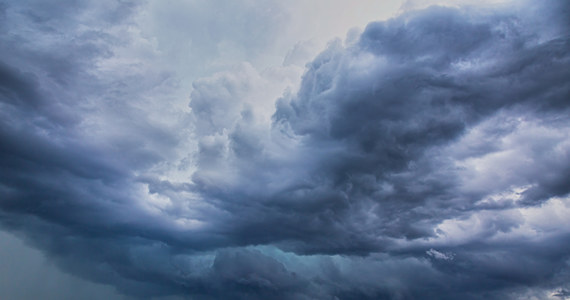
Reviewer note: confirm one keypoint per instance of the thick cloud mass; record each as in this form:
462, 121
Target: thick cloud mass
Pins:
426, 157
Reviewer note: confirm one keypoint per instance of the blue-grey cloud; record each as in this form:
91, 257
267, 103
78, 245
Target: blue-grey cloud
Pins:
427, 158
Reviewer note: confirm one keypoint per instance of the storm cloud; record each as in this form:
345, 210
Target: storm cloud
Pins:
426, 156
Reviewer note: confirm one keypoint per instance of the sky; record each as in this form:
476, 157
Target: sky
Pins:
264, 149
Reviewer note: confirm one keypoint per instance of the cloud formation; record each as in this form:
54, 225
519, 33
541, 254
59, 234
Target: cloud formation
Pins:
424, 157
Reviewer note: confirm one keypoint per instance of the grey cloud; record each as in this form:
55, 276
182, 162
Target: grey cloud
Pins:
562, 294
215, 33
389, 160
387, 123
28, 267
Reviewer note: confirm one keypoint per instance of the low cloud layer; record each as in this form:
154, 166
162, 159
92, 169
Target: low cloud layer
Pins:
425, 157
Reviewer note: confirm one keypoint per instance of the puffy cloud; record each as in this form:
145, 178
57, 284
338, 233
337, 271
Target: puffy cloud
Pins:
424, 157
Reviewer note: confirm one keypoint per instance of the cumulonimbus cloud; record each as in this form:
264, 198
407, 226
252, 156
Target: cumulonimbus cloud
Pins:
427, 158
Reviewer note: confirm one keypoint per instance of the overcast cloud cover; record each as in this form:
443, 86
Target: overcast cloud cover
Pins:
238, 150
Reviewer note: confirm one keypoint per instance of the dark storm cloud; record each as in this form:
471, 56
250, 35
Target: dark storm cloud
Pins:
386, 107
415, 162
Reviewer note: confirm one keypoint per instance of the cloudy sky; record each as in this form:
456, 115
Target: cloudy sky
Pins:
265, 149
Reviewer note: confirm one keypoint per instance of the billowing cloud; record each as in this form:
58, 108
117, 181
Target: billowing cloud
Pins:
426, 156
